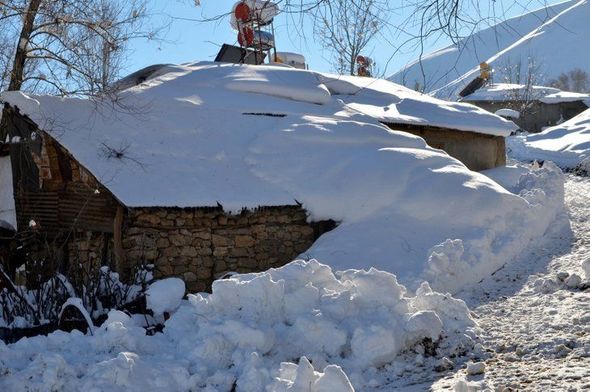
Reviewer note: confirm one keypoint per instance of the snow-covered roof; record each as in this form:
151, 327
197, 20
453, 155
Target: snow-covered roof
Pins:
391, 103
509, 113
507, 92
566, 96
567, 144
193, 129
244, 136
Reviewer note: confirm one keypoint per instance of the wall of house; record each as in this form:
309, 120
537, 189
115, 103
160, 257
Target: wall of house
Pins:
50, 186
63, 214
477, 151
201, 244
90, 249
535, 115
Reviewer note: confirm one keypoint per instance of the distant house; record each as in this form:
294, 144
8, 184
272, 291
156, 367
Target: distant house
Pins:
174, 173
538, 107
464, 131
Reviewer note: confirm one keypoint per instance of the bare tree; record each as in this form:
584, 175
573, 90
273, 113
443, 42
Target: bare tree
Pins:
346, 27
579, 80
525, 76
6, 50
576, 80
67, 46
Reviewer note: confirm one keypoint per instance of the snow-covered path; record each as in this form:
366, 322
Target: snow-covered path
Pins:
535, 318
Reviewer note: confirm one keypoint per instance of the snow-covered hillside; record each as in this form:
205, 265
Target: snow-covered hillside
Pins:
546, 36
244, 136
567, 144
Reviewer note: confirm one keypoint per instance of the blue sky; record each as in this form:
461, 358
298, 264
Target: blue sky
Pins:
187, 39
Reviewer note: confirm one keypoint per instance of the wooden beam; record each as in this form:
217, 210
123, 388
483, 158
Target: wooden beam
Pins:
118, 241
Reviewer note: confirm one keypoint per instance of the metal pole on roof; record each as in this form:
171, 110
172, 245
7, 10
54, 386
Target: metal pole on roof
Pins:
274, 47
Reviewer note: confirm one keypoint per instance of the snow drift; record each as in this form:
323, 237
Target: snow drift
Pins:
566, 144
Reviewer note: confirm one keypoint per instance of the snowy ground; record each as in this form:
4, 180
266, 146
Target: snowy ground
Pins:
567, 144
306, 327
359, 330
536, 329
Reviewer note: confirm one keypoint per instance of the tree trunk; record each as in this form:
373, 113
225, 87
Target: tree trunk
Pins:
106, 62
20, 58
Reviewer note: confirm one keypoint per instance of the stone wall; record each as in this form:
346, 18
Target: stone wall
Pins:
91, 249
201, 244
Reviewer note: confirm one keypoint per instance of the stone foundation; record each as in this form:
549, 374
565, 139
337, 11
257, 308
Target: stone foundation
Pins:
202, 244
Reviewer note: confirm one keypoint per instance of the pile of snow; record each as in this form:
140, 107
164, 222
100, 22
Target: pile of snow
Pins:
474, 250
565, 37
7, 208
566, 144
509, 113
243, 136
343, 330
278, 82
165, 295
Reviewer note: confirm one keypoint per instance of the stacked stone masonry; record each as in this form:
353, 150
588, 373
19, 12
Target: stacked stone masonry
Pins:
202, 244
90, 249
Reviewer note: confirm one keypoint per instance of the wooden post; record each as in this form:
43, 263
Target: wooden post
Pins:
118, 242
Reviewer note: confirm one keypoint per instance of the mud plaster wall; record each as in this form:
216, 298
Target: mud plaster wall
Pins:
477, 151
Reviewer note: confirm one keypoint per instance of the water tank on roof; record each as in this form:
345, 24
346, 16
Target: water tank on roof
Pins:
259, 11
293, 59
